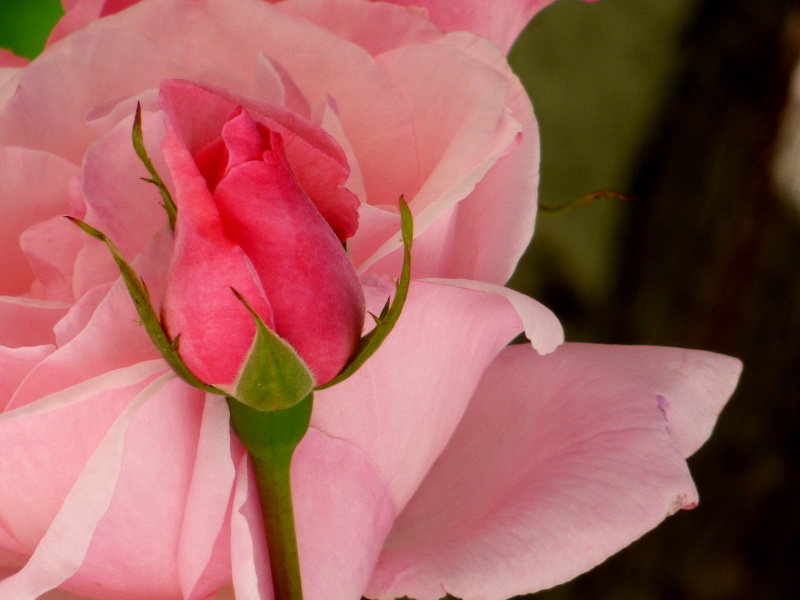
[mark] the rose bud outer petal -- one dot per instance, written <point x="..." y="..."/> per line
<point x="198" y="112"/>
<point x="216" y="330"/>
<point x="560" y="461"/>
<point x="312" y="287"/>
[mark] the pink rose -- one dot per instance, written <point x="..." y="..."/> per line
<point x="449" y="462"/>
<point x="497" y="20"/>
<point x="245" y="222"/>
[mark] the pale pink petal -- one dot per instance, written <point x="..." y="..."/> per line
<point x="10" y="66"/>
<point x="348" y="19"/>
<point x="251" y="581"/>
<point x="34" y="188"/>
<point x="112" y="185"/>
<point x="401" y="407"/>
<point x="541" y="326"/>
<point x="62" y="595"/>
<point x="80" y="13"/>
<point x="9" y="79"/>
<point x="499" y="20"/>
<point x="71" y="78"/>
<point x="80" y="314"/>
<point x="54" y="512"/>
<point x="560" y="461"/>
<point x="149" y="502"/>
<point x="113" y="336"/>
<point x="320" y="63"/>
<point x="27" y="322"/>
<point x="15" y="364"/>
<point x="204" y="560"/>
<point x="343" y="512"/>
<point x="272" y="83"/>
<point x="486" y="243"/>
<point x="330" y="122"/>
<point x="51" y="247"/>
<point x="456" y="144"/>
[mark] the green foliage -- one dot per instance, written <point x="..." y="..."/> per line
<point x="25" y="24"/>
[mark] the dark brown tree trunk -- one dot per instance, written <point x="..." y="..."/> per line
<point x="713" y="262"/>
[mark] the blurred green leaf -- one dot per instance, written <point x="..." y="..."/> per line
<point x="25" y="24"/>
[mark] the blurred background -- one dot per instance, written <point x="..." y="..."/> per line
<point x="689" y="108"/>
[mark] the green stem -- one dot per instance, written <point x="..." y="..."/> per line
<point x="270" y="438"/>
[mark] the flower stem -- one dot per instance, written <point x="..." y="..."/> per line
<point x="270" y="438"/>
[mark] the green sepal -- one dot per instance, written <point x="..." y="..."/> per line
<point x="141" y="299"/>
<point x="273" y="376"/>
<point x="587" y="199"/>
<point x="384" y="323"/>
<point x="155" y="179"/>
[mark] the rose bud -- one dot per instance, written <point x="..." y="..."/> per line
<point x="245" y="223"/>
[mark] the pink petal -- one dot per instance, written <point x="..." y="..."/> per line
<point x="99" y="337"/>
<point x="343" y="512"/>
<point x="53" y="506"/>
<point x="312" y="287"/>
<point x="541" y="326"/>
<point x="51" y="248"/>
<point x="476" y="224"/>
<point x="79" y="13"/>
<point x="80" y="77"/>
<point x="15" y="364"/>
<point x="9" y="79"/>
<point x="586" y="462"/>
<point x="204" y="561"/>
<point x="499" y="20"/>
<point x="457" y="148"/>
<point x="112" y="186"/>
<point x="198" y="114"/>
<point x="402" y="406"/>
<point x="149" y="500"/>
<point x="272" y="83"/>
<point x="34" y="189"/>
<point x="26" y="322"/>
<point x="248" y="546"/>
<point x="11" y="60"/>
<point x="350" y="20"/>
<point x="199" y="304"/>
<point x="320" y="63"/>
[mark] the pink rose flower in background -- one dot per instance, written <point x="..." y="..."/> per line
<point x="449" y="463"/>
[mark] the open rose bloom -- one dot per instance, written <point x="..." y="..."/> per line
<point x="451" y="462"/>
